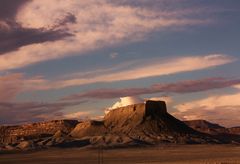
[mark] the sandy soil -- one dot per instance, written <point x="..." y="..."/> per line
<point x="169" y="154"/>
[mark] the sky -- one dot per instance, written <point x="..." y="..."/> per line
<point x="71" y="59"/>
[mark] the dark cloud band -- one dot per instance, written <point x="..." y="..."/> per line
<point x="9" y="8"/>
<point x="17" y="36"/>
<point x="178" y="87"/>
<point x="14" y="36"/>
<point x="18" y="113"/>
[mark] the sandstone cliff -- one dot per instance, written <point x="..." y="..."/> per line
<point x="206" y="127"/>
<point x="11" y="134"/>
<point x="225" y="135"/>
<point x="234" y="130"/>
<point x="138" y="124"/>
<point x="146" y="123"/>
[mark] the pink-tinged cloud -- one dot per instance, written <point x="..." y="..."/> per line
<point x="60" y="28"/>
<point x="13" y="84"/>
<point x="167" y="99"/>
<point x="187" y="86"/>
<point x="77" y="115"/>
<point x="135" y="70"/>
<point x="14" y="35"/>
<point x="237" y="86"/>
<point x="8" y="9"/>
<point x="25" y="112"/>
<point x="223" y="109"/>
<point x="10" y="86"/>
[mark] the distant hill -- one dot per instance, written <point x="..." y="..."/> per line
<point x="234" y="130"/>
<point x="139" y="124"/>
<point x="11" y="134"/>
<point x="206" y="127"/>
<point x="226" y="135"/>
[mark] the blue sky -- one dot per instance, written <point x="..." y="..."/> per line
<point x="72" y="59"/>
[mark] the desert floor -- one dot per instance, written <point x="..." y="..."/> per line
<point x="217" y="154"/>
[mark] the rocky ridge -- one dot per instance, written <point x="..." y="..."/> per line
<point x="225" y="135"/>
<point x="10" y="134"/>
<point x="139" y="124"/>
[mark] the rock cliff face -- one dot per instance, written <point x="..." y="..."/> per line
<point x="206" y="127"/>
<point x="89" y="128"/>
<point x="145" y="123"/>
<point x="149" y="119"/>
<point x="134" y="115"/>
<point x="11" y="134"/>
<point x="234" y="130"/>
<point x="225" y="135"/>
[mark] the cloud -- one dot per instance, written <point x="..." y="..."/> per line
<point x="76" y="115"/>
<point x="10" y="86"/>
<point x="237" y="86"/>
<point x="18" y="113"/>
<point x="129" y="100"/>
<point x="125" y="101"/>
<point x="9" y="9"/>
<point x="113" y="55"/>
<point x="92" y="24"/>
<point x="187" y="86"/>
<point x="14" y="35"/>
<point x="223" y="109"/>
<point x="13" y="84"/>
<point x="137" y="70"/>
<point x="68" y="18"/>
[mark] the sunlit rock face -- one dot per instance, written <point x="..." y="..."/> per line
<point x="142" y="123"/>
<point x="134" y="114"/>
<point x="146" y="121"/>
<point x="10" y="134"/>
<point x="89" y="128"/>
<point x="206" y="127"/>
<point x="234" y="130"/>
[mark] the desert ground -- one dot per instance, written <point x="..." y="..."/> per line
<point x="169" y="154"/>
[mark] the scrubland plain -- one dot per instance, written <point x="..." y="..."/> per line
<point x="169" y="154"/>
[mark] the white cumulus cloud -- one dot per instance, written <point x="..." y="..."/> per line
<point x="125" y="101"/>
